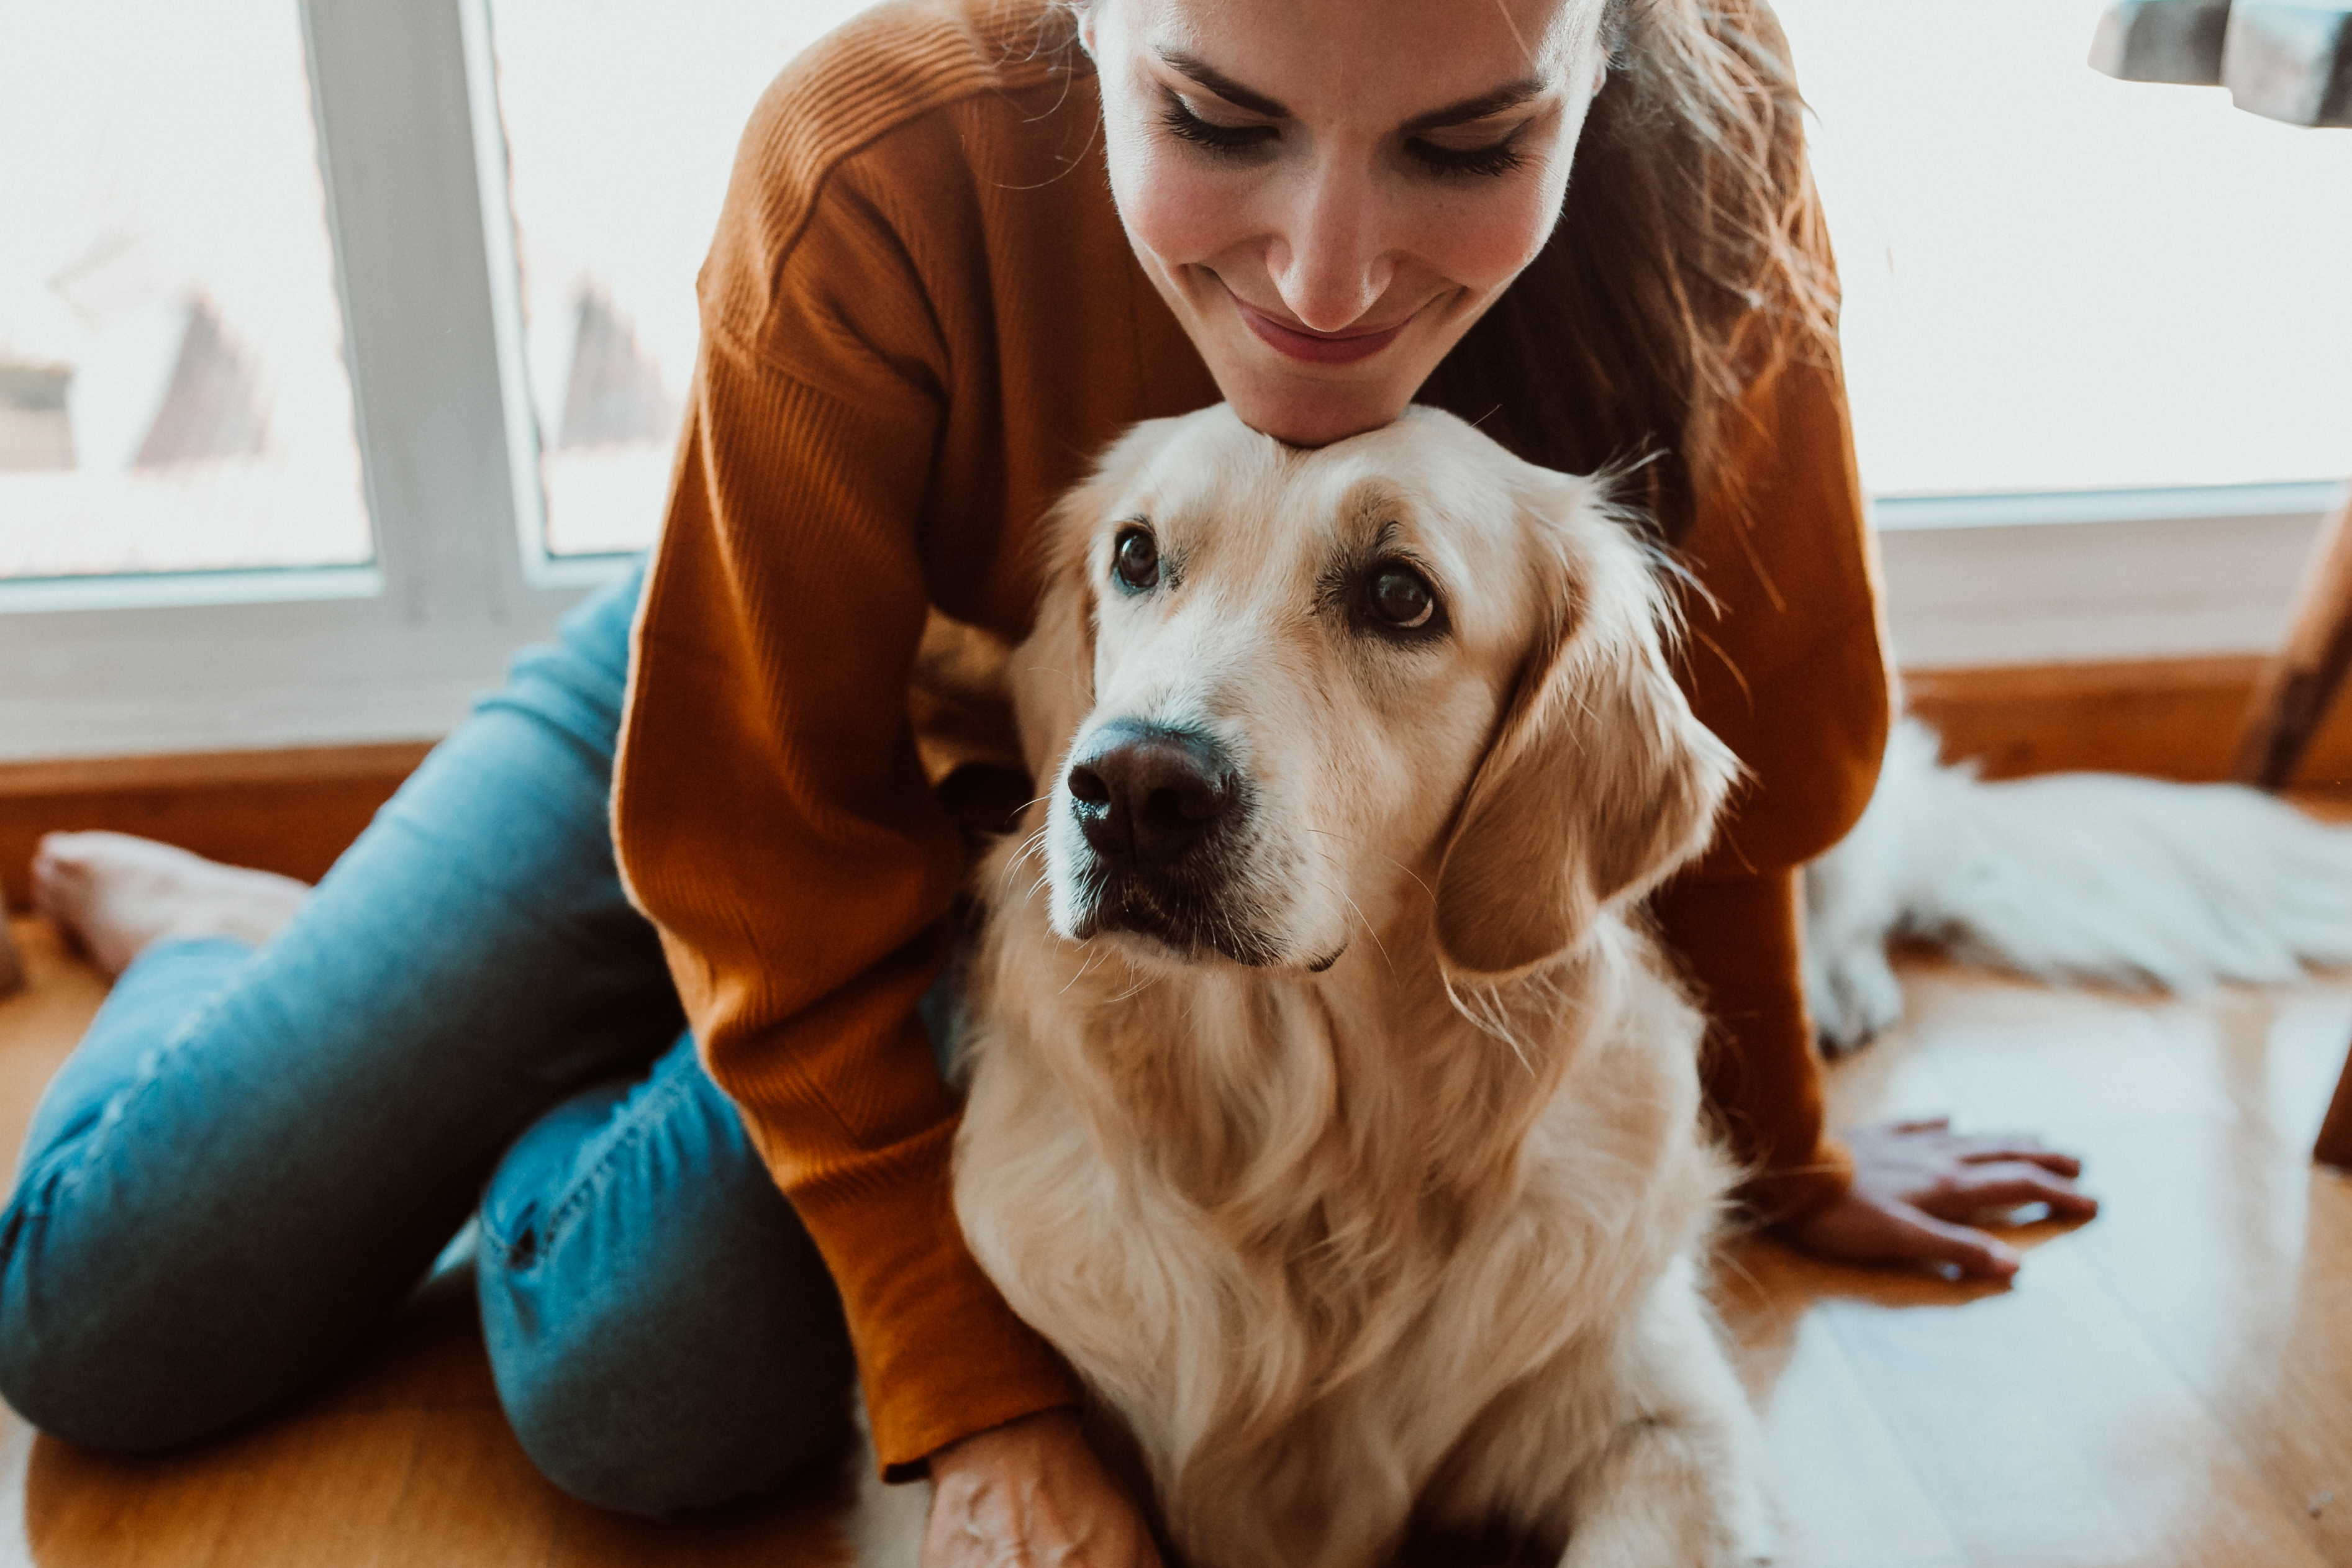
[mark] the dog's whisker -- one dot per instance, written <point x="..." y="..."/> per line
<point x="1094" y="951"/>
<point x="1031" y="847"/>
<point x="1347" y="839"/>
<point x="1143" y="983"/>
<point x="1365" y="921"/>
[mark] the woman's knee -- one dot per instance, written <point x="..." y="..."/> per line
<point x="86" y="1358"/>
<point x="605" y="1414"/>
<point x="662" y="1332"/>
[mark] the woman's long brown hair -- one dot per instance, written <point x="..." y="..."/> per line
<point x="1687" y="262"/>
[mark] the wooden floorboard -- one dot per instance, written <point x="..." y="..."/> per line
<point x="2170" y="1385"/>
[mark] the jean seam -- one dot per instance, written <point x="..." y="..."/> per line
<point x="89" y="1148"/>
<point x="598" y="1176"/>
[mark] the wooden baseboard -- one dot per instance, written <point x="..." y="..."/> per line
<point x="2168" y="719"/>
<point x="290" y="811"/>
<point x="293" y="811"/>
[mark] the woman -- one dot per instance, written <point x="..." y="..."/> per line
<point x="964" y="246"/>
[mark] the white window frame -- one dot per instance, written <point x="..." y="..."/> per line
<point x="414" y="171"/>
<point x="395" y="650"/>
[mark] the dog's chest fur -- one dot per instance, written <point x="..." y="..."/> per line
<point x="1302" y="1235"/>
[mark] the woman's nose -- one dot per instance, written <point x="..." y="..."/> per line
<point x="1329" y="258"/>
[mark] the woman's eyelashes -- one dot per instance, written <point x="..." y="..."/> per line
<point x="1178" y="120"/>
<point x="1495" y="158"/>
<point x="1238" y="142"/>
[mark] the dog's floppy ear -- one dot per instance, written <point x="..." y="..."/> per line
<point x="1052" y="673"/>
<point x="1052" y="670"/>
<point x="1599" y="780"/>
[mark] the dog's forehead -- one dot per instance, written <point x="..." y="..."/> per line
<point x="1427" y="481"/>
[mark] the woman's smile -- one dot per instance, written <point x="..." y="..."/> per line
<point x="1303" y="343"/>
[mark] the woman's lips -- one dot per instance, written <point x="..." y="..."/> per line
<point x="1316" y="348"/>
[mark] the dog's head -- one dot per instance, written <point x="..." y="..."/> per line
<point x="1286" y="698"/>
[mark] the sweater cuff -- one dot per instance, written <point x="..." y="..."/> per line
<point x="940" y="1353"/>
<point x="1783" y="1195"/>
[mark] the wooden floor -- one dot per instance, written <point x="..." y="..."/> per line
<point x="2170" y="1385"/>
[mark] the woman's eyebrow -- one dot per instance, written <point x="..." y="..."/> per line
<point x="1223" y="85"/>
<point x="1510" y="95"/>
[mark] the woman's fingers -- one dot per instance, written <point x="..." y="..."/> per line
<point x="1862" y="1229"/>
<point x="1978" y="1254"/>
<point x="1966" y="1250"/>
<point x="2007" y="1186"/>
<point x="1916" y="1183"/>
<point x="2017" y="1146"/>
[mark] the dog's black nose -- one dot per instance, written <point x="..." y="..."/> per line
<point x="1149" y="794"/>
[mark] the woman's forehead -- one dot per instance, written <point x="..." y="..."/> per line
<point x="1414" y="55"/>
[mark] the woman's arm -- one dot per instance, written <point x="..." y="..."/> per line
<point x="1786" y="663"/>
<point x="772" y="819"/>
<point x="770" y="810"/>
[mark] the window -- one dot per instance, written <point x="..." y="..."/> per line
<point x="619" y="120"/>
<point x="392" y="642"/>
<point x="2067" y="286"/>
<point x="392" y="393"/>
<point x="173" y="395"/>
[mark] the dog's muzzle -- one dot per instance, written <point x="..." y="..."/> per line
<point x="1161" y="809"/>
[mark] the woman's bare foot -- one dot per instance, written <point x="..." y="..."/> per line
<point x="119" y="895"/>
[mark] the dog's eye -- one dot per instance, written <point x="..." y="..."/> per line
<point x="1402" y="598"/>
<point x="1135" y="559"/>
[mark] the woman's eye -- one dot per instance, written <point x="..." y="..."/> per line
<point x="1402" y="598"/>
<point x="1176" y="117"/>
<point x="1498" y="158"/>
<point x="1135" y="560"/>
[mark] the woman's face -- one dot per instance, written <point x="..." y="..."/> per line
<point x="1329" y="192"/>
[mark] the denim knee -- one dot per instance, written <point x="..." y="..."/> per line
<point x="662" y="1333"/>
<point x="74" y="1356"/>
<point x="93" y="1353"/>
<point x="99" y="1341"/>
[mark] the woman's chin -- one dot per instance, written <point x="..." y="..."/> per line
<point x="1317" y="415"/>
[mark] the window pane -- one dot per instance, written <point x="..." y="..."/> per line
<point x="2059" y="281"/>
<point x="621" y="120"/>
<point x="173" y="394"/>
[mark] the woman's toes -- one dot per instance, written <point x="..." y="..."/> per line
<point x="119" y="895"/>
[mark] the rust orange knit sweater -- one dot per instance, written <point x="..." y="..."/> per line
<point x="920" y="319"/>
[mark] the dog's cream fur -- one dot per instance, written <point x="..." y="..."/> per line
<point x="2067" y="878"/>
<point x="1398" y="1216"/>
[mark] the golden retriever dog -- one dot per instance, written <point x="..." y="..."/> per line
<point x="1328" y="1107"/>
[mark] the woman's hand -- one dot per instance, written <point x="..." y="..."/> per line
<point x="1031" y="1494"/>
<point x="1915" y="1183"/>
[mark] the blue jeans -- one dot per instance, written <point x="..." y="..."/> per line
<point x="256" y="1156"/>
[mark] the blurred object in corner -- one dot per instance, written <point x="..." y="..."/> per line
<point x="2162" y="40"/>
<point x="2289" y="60"/>
<point x="2056" y="284"/>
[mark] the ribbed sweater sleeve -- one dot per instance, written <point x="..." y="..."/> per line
<point x="771" y="813"/>
<point x="1786" y="660"/>
<point x="774" y="819"/>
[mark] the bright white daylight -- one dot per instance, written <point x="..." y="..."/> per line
<point x="2054" y="281"/>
